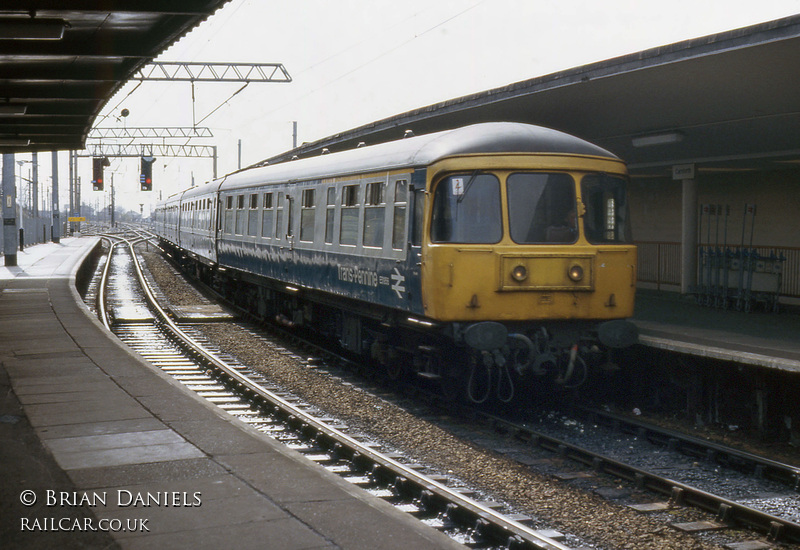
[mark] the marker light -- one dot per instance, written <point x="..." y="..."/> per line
<point x="576" y="273"/>
<point x="519" y="273"/>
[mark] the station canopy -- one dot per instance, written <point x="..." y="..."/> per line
<point x="62" y="60"/>
<point x="728" y="101"/>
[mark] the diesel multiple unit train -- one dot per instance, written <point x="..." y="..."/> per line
<point x="485" y="258"/>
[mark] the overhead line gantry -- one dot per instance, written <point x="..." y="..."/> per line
<point x="151" y="132"/>
<point x="213" y="72"/>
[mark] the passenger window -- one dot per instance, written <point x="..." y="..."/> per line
<point x="374" y="215"/>
<point x="267" y="216"/>
<point x="330" y="212"/>
<point x="229" y="214"/>
<point x="350" y="195"/>
<point x="307" y="215"/>
<point x="240" y="215"/>
<point x="348" y="232"/>
<point x="399" y="220"/>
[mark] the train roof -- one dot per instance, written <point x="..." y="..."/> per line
<point x="487" y="137"/>
<point x="490" y="137"/>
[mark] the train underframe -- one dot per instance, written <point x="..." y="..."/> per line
<point x="484" y="362"/>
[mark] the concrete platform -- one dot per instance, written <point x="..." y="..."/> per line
<point x="101" y="450"/>
<point x="667" y="320"/>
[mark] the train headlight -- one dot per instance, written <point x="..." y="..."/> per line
<point x="576" y="273"/>
<point x="519" y="273"/>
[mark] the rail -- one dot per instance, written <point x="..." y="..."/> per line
<point x="727" y="511"/>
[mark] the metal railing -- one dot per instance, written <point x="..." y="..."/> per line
<point x="660" y="264"/>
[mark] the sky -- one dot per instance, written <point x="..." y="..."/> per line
<point x="356" y="61"/>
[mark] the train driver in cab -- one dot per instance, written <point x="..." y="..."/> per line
<point x="565" y="231"/>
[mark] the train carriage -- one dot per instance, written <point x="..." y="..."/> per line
<point x="166" y="220"/>
<point x="476" y="256"/>
<point x="197" y="216"/>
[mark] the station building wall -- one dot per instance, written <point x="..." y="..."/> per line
<point x="655" y="205"/>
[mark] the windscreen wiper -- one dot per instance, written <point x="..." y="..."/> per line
<point x="468" y="185"/>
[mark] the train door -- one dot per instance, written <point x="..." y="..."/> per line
<point x="179" y="225"/>
<point x="290" y="217"/>
<point x="394" y="217"/>
<point x="214" y="225"/>
<point x="416" y="214"/>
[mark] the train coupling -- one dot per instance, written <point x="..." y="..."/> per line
<point x="495" y="344"/>
<point x="536" y="354"/>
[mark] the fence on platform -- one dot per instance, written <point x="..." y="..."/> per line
<point x="660" y="264"/>
<point x="35" y="230"/>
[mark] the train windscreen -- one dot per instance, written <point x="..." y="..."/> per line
<point x="466" y="209"/>
<point x="541" y="208"/>
<point x="606" y="219"/>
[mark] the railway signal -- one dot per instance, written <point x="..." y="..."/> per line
<point x="146" y="174"/>
<point x="98" y="163"/>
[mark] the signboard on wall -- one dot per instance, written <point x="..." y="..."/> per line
<point x="683" y="172"/>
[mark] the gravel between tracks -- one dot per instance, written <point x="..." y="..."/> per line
<point x="603" y="524"/>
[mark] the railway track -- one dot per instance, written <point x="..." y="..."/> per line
<point x="133" y="313"/>
<point x="759" y="466"/>
<point x="727" y="513"/>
